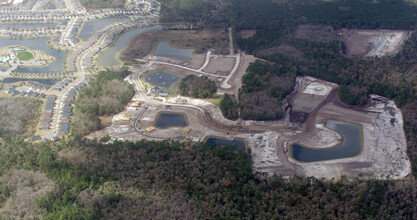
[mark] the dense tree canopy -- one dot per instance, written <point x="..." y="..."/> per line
<point x="107" y="94"/>
<point x="198" y="87"/>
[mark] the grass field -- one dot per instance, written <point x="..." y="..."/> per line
<point x="215" y="100"/>
<point x="25" y="55"/>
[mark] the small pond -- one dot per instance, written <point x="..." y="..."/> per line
<point x="48" y="82"/>
<point x="164" y="50"/>
<point x="52" y="6"/>
<point x="3" y="68"/>
<point x="350" y="147"/>
<point x="108" y="57"/>
<point x="167" y="120"/>
<point x="38" y="44"/>
<point x="92" y="27"/>
<point x="240" y="144"/>
<point x="162" y="79"/>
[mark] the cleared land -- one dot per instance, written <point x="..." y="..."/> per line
<point x="200" y="40"/>
<point x="220" y="65"/>
<point x="373" y="42"/>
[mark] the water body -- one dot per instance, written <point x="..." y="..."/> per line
<point x="108" y="57"/>
<point x="3" y="68"/>
<point x="92" y="27"/>
<point x="48" y="82"/>
<point x="38" y="44"/>
<point x="28" y="25"/>
<point x="350" y="147"/>
<point x="240" y="144"/>
<point x="167" y="120"/>
<point x="164" y="50"/>
<point x="162" y="79"/>
<point x="52" y="6"/>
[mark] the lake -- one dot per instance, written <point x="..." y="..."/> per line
<point x="240" y="144"/>
<point x="167" y="120"/>
<point x="162" y="79"/>
<point x="351" y="146"/>
<point x="38" y="44"/>
<point x="92" y="27"/>
<point x="164" y="50"/>
<point x="52" y="6"/>
<point x="108" y="57"/>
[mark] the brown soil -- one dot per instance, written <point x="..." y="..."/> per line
<point x="106" y="120"/>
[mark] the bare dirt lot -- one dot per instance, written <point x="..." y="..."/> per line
<point x="220" y="65"/>
<point x="373" y="42"/>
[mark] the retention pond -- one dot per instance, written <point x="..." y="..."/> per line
<point x="164" y="50"/>
<point x="162" y="79"/>
<point x="168" y="120"/>
<point x="239" y="144"/>
<point x="108" y="57"/>
<point x="92" y="27"/>
<point x="350" y="147"/>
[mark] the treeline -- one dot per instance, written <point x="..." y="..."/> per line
<point x="213" y="13"/>
<point x="264" y="87"/>
<point x="198" y="87"/>
<point x="229" y="107"/>
<point x="107" y="94"/>
<point x="166" y="180"/>
<point x="263" y="14"/>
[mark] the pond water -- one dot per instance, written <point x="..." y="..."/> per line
<point x="167" y="120"/>
<point x="38" y="44"/>
<point x="162" y="79"/>
<point x="52" y="6"/>
<point x="92" y="27"/>
<point x="220" y="141"/>
<point x="48" y="82"/>
<point x="350" y="147"/>
<point x="164" y="50"/>
<point x="3" y="68"/>
<point x="108" y="57"/>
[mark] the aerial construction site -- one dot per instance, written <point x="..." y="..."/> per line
<point x="318" y="136"/>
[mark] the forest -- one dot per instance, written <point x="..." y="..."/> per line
<point x="197" y="87"/>
<point x="106" y="95"/>
<point x="262" y="14"/>
<point x="166" y="179"/>
<point x="19" y="116"/>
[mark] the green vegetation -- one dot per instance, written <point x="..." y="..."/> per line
<point x="229" y="107"/>
<point x="18" y="116"/>
<point x="124" y="180"/>
<point x="262" y="14"/>
<point x="25" y="55"/>
<point x="198" y="87"/>
<point x="263" y="90"/>
<point x="107" y="94"/>
<point x="99" y="4"/>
